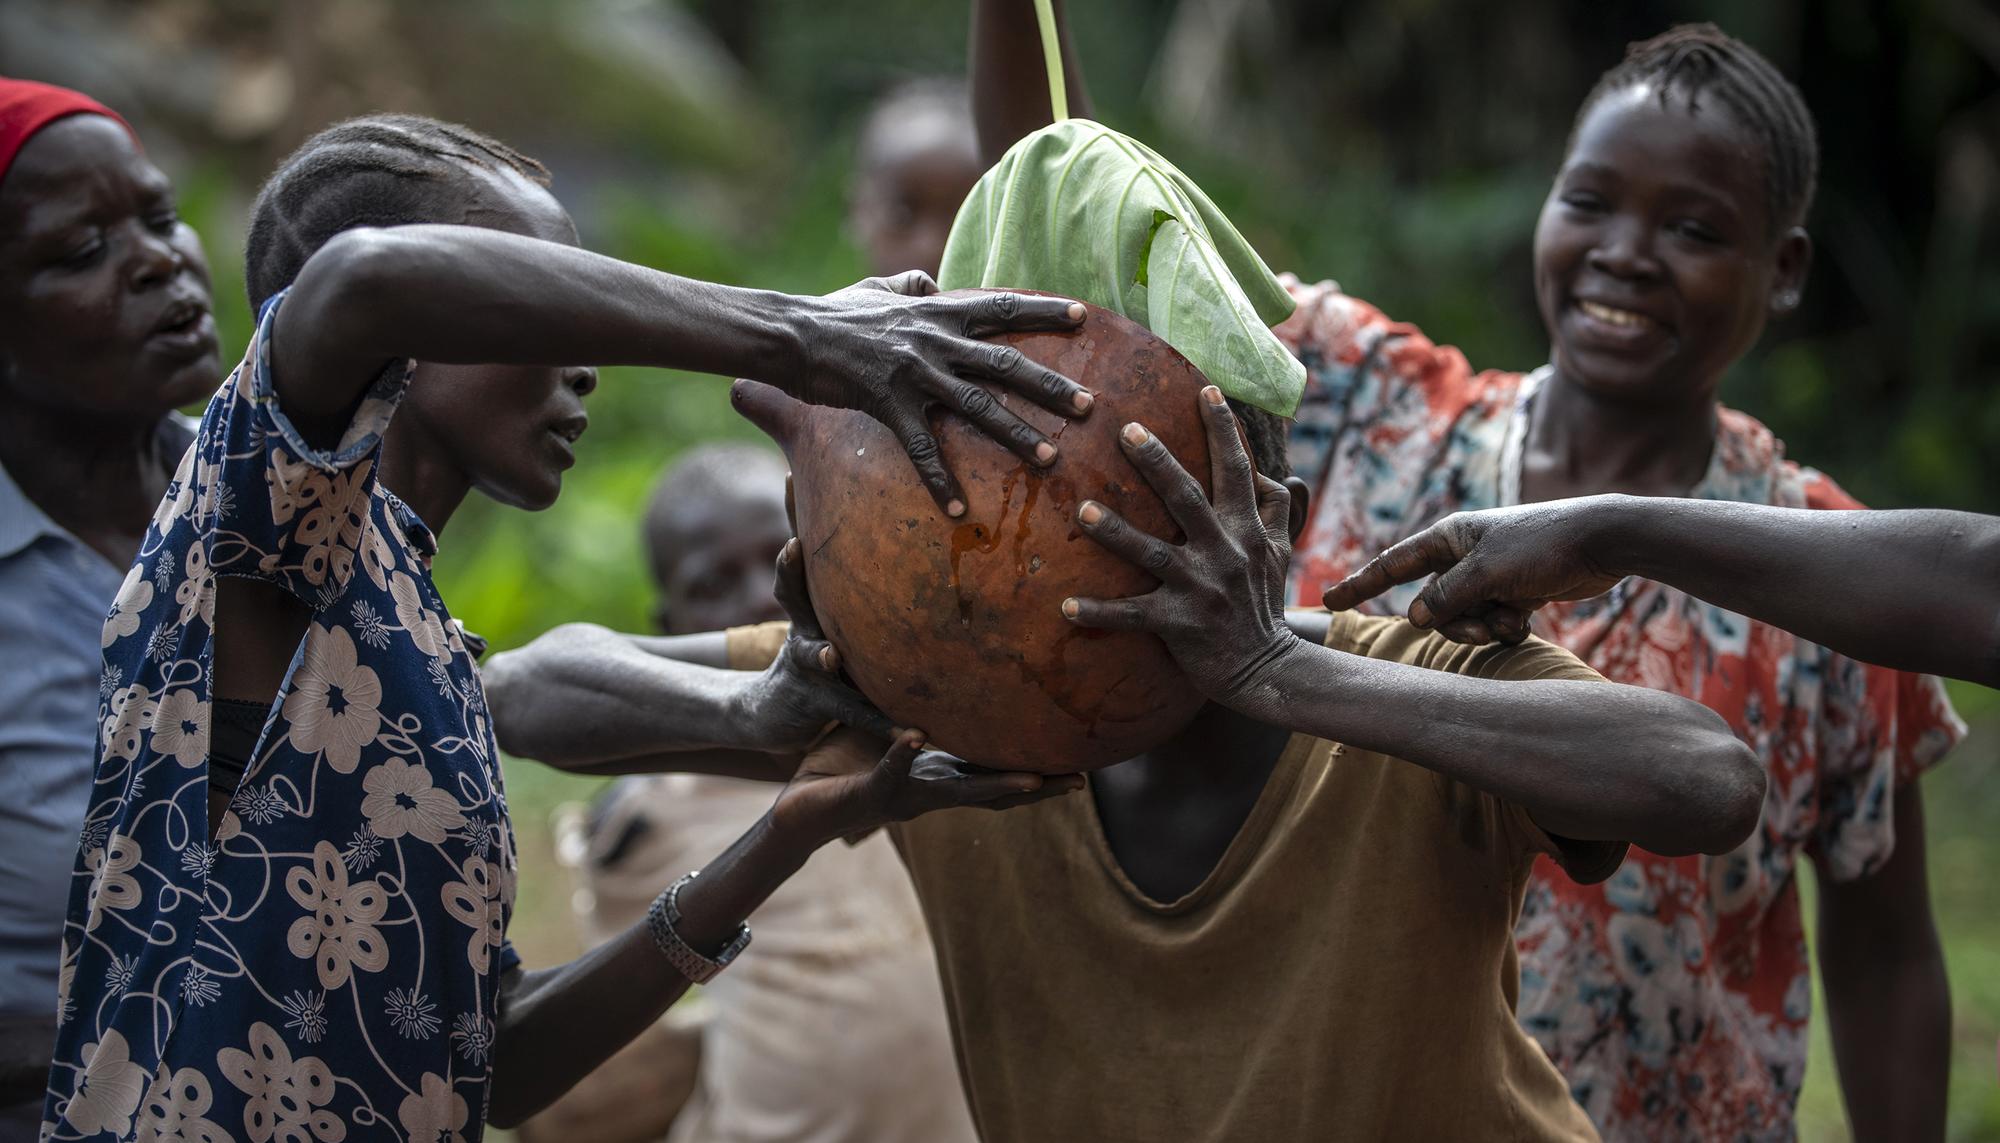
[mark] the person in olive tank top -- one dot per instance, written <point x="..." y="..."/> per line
<point x="1294" y="919"/>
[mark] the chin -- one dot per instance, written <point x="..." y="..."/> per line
<point x="193" y="385"/>
<point x="1619" y="379"/>
<point x="529" y="496"/>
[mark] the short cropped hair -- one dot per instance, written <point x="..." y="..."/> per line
<point x="378" y="170"/>
<point x="1693" y="60"/>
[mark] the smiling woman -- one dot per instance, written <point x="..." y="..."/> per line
<point x="1672" y="233"/>
<point x="104" y="331"/>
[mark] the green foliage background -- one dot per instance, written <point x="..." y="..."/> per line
<point x="1400" y="146"/>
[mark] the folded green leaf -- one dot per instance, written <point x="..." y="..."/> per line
<point x="1080" y="210"/>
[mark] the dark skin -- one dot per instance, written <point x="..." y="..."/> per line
<point x="1580" y="757"/>
<point x="498" y="313"/>
<point x="1659" y="215"/>
<point x="492" y="311"/>
<point x="559" y="1024"/>
<point x="1911" y="590"/>
<point x="1572" y="754"/>
<point x="104" y="331"/>
<point x="1656" y="266"/>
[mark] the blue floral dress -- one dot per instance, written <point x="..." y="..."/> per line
<point x="327" y="968"/>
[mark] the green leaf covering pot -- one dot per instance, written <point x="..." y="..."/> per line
<point x="1080" y="210"/>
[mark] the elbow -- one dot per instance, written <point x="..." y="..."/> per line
<point x="1712" y="797"/>
<point x="503" y="676"/>
<point x="348" y="285"/>
<point x="510" y="1107"/>
<point x="529" y="693"/>
<point x="1737" y="797"/>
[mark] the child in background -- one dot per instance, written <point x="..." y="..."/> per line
<point x="788" y="1044"/>
<point x="917" y="160"/>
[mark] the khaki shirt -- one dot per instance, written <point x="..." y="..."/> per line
<point x="1347" y="971"/>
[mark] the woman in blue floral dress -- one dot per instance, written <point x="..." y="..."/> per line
<point x="317" y="950"/>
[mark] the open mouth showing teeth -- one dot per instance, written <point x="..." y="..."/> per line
<point x="1610" y="315"/>
<point x="181" y="319"/>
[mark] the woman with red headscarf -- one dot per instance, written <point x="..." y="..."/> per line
<point x="104" y="331"/>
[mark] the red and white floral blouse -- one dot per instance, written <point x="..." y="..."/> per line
<point x="1674" y="996"/>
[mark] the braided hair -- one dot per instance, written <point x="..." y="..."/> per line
<point x="1696" y="60"/>
<point x="378" y="170"/>
<point x="1266" y="433"/>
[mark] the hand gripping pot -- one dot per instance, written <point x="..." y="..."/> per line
<point x="954" y="626"/>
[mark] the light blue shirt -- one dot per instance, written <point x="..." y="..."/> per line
<point x="54" y="592"/>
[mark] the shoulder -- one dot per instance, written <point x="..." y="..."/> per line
<point x="1746" y="448"/>
<point x="1399" y="641"/>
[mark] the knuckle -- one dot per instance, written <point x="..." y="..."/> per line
<point x="1156" y="558"/>
<point x="922" y="447"/>
<point x="1005" y="360"/>
<point x="976" y="402"/>
<point x="1003" y="307"/>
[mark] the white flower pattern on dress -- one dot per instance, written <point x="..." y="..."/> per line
<point x="338" y="931"/>
<point x="285" y="1095"/>
<point x="401" y="800"/>
<point x="134" y="596"/>
<point x="109" y="1090"/>
<point x="435" y="1112"/>
<point x="174" y="1108"/>
<point x="180" y="728"/>
<point x="333" y="704"/>
<point x="241" y="988"/>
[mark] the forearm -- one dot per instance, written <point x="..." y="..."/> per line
<point x="580" y="697"/>
<point x="469" y="295"/>
<point x="1917" y="590"/>
<point x="1010" y="87"/>
<point x="1888" y="1003"/>
<point x="557" y="1025"/>
<point x="756" y="765"/>
<point x="1587" y="760"/>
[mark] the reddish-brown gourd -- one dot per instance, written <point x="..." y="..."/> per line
<point x="954" y="626"/>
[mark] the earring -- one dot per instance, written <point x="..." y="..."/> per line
<point x="1788" y="300"/>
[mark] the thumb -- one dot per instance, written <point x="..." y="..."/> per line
<point x="1448" y="595"/>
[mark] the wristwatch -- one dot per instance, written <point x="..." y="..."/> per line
<point x="663" y="922"/>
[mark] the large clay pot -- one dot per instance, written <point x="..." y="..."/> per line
<point x="954" y="626"/>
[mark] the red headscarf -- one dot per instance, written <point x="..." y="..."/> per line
<point x="26" y="107"/>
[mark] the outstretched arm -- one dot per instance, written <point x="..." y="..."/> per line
<point x="1587" y="760"/>
<point x="588" y="700"/>
<point x="1916" y="590"/>
<point x="557" y="1025"/>
<point x="1010" y="84"/>
<point x="467" y="295"/>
